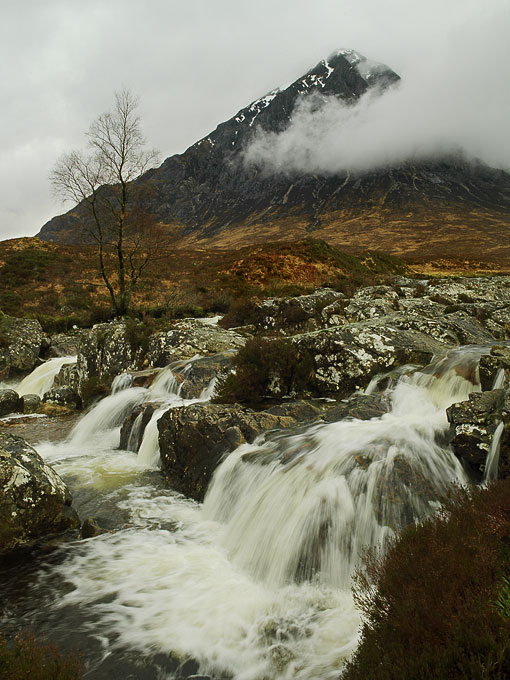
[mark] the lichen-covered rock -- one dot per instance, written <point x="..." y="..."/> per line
<point x="472" y="427"/>
<point x="63" y="396"/>
<point x="68" y="376"/>
<point x="64" y="344"/>
<point x="106" y="350"/>
<point x="34" y="501"/>
<point x="371" y="302"/>
<point x="287" y="315"/>
<point x="346" y="357"/>
<point x="193" y="439"/>
<point x="188" y="338"/>
<point x="20" y="345"/>
<point x="10" y="402"/>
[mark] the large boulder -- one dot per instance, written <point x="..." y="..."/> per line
<point x="20" y="345"/>
<point x="346" y="357"/>
<point x="194" y="439"/>
<point x="188" y="338"/>
<point x="34" y="501"/>
<point x="63" y="396"/>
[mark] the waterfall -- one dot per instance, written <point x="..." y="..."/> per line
<point x="41" y="379"/>
<point x="499" y="380"/>
<point x="491" y="464"/>
<point x="303" y="507"/>
<point x="123" y="381"/>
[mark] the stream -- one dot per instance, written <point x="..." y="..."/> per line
<point x="253" y="584"/>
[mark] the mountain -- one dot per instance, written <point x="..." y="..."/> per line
<point x="209" y="196"/>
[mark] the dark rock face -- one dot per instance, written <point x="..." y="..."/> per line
<point x="194" y="439"/>
<point x="34" y="501"/>
<point x="20" y="345"/>
<point x="10" y="402"/>
<point x="31" y="403"/>
<point x="130" y="439"/>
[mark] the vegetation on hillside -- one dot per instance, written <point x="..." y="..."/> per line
<point x="60" y="285"/>
<point x="438" y="604"/>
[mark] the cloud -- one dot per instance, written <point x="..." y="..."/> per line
<point x="453" y="96"/>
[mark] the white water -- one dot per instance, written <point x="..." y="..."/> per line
<point x="254" y="583"/>
<point x="491" y="465"/>
<point x="41" y="379"/>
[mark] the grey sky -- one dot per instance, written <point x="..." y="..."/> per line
<point x="195" y="64"/>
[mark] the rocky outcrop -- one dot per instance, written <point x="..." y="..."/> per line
<point x="34" y="502"/>
<point x="20" y="345"/>
<point x="188" y="338"/>
<point x="133" y="428"/>
<point x="289" y="315"/>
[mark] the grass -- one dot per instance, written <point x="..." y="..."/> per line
<point x="60" y="285"/>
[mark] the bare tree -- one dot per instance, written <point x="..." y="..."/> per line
<point x="102" y="183"/>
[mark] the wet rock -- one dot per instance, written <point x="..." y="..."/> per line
<point x="491" y="366"/>
<point x="473" y="424"/>
<point x="144" y="378"/>
<point x="31" y="403"/>
<point x="200" y="373"/>
<point x="133" y="428"/>
<point x="91" y="528"/>
<point x="360" y="407"/>
<point x="194" y="439"/>
<point x="188" y="338"/>
<point x="10" y="402"/>
<point x="34" y="501"/>
<point x="20" y="345"/>
<point x="63" y="396"/>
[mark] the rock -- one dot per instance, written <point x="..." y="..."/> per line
<point x="64" y="344"/>
<point x="10" y="402"/>
<point x="472" y="427"/>
<point x="104" y="351"/>
<point x="198" y="376"/>
<point x="371" y="302"/>
<point x="20" y="345"/>
<point x="194" y="439"/>
<point x="323" y="307"/>
<point x="358" y="406"/>
<point x="63" y="396"/>
<point x="68" y="376"/>
<point x="346" y="357"/>
<point x="31" y="403"/>
<point x="34" y="501"/>
<point x="188" y="338"/>
<point x="133" y="428"/>
<point x="91" y="528"/>
<point x="491" y="365"/>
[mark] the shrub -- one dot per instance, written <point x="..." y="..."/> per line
<point x="436" y="605"/>
<point x="139" y="332"/>
<point x="26" y="658"/>
<point x="242" y="312"/>
<point x="265" y="368"/>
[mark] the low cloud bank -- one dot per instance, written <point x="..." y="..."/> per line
<point x="451" y="98"/>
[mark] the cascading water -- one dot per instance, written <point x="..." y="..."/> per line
<point x="41" y="379"/>
<point x="254" y="584"/>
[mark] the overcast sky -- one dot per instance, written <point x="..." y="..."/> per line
<point x="195" y="63"/>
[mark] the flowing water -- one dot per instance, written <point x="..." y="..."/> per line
<point x="253" y="584"/>
<point x="41" y="379"/>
